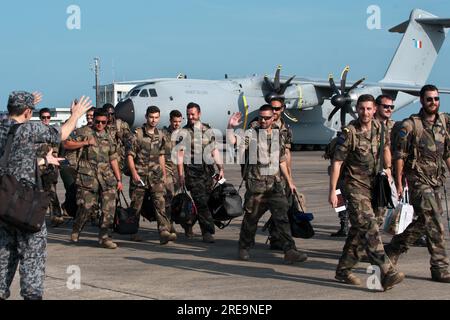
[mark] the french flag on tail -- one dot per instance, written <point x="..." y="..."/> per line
<point x="418" y="44"/>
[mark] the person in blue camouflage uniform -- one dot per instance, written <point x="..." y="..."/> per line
<point x="421" y="157"/>
<point x="360" y="148"/>
<point x="28" y="249"/>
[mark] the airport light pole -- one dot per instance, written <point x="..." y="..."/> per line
<point x="97" y="81"/>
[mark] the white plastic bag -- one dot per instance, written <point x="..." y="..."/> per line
<point x="398" y="219"/>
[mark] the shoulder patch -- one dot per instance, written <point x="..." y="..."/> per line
<point x="403" y="133"/>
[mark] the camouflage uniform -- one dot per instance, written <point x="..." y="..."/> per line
<point x="425" y="174"/>
<point x="120" y="133"/>
<point x="199" y="177"/>
<point x="380" y="213"/>
<point x="286" y="136"/>
<point x="15" y="245"/>
<point x="172" y="182"/>
<point x="360" y="152"/>
<point x="96" y="180"/>
<point x="265" y="191"/>
<point x="50" y="180"/>
<point x="146" y="151"/>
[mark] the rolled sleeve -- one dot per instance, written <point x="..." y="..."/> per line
<point x="401" y="144"/>
<point x="343" y="145"/>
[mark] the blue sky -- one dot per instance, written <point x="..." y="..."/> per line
<point x="139" y="39"/>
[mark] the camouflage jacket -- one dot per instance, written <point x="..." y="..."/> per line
<point x="264" y="153"/>
<point x="95" y="161"/>
<point x="198" y="146"/>
<point x="29" y="139"/>
<point x="360" y="152"/>
<point x="146" y="148"/>
<point x="120" y="133"/>
<point x="169" y="147"/>
<point x="424" y="152"/>
<point x="285" y="132"/>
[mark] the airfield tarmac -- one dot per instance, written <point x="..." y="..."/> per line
<point x="192" y="270"/>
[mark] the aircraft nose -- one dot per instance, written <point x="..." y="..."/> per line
<point x="125" y="111"/>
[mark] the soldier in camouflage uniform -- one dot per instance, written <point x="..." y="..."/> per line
<point x="197" y="147"/>
<point x="265" y="158"/>
<point x="120" y="133"/>
<point x="146" y="160"/>
<point x="384" y="109"/>
<point x="359" y="148"/>
<point x="16" y="246"/>
<point x="172" y="183"/>
<point x="422" y="147"/>
<point x="98" y="178"/>
<point x="50" y="174"/>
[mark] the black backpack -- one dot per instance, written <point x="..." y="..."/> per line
<point x="184" y="210"/>
<point x="126" y="220"/>
<point x="225" y="204"/>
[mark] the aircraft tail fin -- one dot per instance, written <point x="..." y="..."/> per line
<point x="423" y="37"/>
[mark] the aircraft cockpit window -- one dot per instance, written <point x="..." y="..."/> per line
<point x="153" y="93"/>
<point x="134" y="93"/>
<point x="144" y="93"/>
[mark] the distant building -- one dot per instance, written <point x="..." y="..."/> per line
<point x="59" y="116"/>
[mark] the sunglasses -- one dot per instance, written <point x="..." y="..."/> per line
<point x="101" y="122"/>
<point x="265" y="118"/>
<point x="111" y="114"/>
<point x="388" y="106"/>
<point x="430" y="99"/>
<point x="277" y="109"/>
<point x="46" y="118"/>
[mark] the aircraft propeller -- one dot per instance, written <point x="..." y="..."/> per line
<point x="341" y="99"/>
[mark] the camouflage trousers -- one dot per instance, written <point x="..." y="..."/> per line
<point x="255" y="206"/>
<point x="427" y="203"/>
<point x="156" y="192"/>
<point x="49" y="182"/>
<point x="274" y="235"/>
<point x="200" y="189"/>
<point x="172" y="189"/>
<point x="28" y="249"/>
<point x="88" y="202"/>
<point x="363" y="234"/>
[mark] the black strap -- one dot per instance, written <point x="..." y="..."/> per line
<point x="381" y="166"/>
<point x="124" y="199"/>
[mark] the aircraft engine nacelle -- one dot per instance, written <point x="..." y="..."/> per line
<point x="356" y="93"/>
<point x="302" y="96"/>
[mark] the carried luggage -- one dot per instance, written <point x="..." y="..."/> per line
<point x="22" y="206"/>
<point x="148" y="209"/>
<point x="399" y="218"/>
<point x="184" y="210"/>
<point x="300" y="220"/>
<point x="225" y="204"/>
<point x="125" y="221"/>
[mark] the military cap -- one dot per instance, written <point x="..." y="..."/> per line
<point x="21" y="99"/>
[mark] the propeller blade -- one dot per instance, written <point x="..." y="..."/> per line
<point x="277" y="79"/>
<point x="290" y="117"/>
<point x="285" y="85"/>
<point x="268" y="83"/>
<point x="333" y="85"/>
<point x="344" y="78"/>
<point x="357" y="83"/>
<point x="335" y="110"/>
<point x="352" y="113"/>
<point x="343" y="114"/>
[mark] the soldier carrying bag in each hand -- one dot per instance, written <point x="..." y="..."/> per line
<point x="23" y="207"/>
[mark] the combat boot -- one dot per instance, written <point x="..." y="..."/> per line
<point x="391" y="279"/>
<point x="208" y="238"/>
<point x="348" y="278"/>
<point x="343" y="231"/>
<point x="244" y="254"/>
<point x="57" y="221"/>
<point x="135" y="238"/>
<point x="107" y="244"/>
<point x="440" y="276"/>
<point x="391" y="254"/>
<point x="188" y="232"/>
<point x="293" y="256"/>
<point x="75" y="237"/>
<point x="173" y="236"/>
<point x="164" y="237"/>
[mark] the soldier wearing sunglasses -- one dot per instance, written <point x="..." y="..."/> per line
<point x="421" y="152"/>
<point x="98" y="178"/>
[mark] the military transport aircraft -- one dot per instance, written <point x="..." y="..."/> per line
<point x="316" y="109"/>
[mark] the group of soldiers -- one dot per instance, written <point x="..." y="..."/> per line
<point x="419" y="149"/>
<point x="164" y="162"/>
